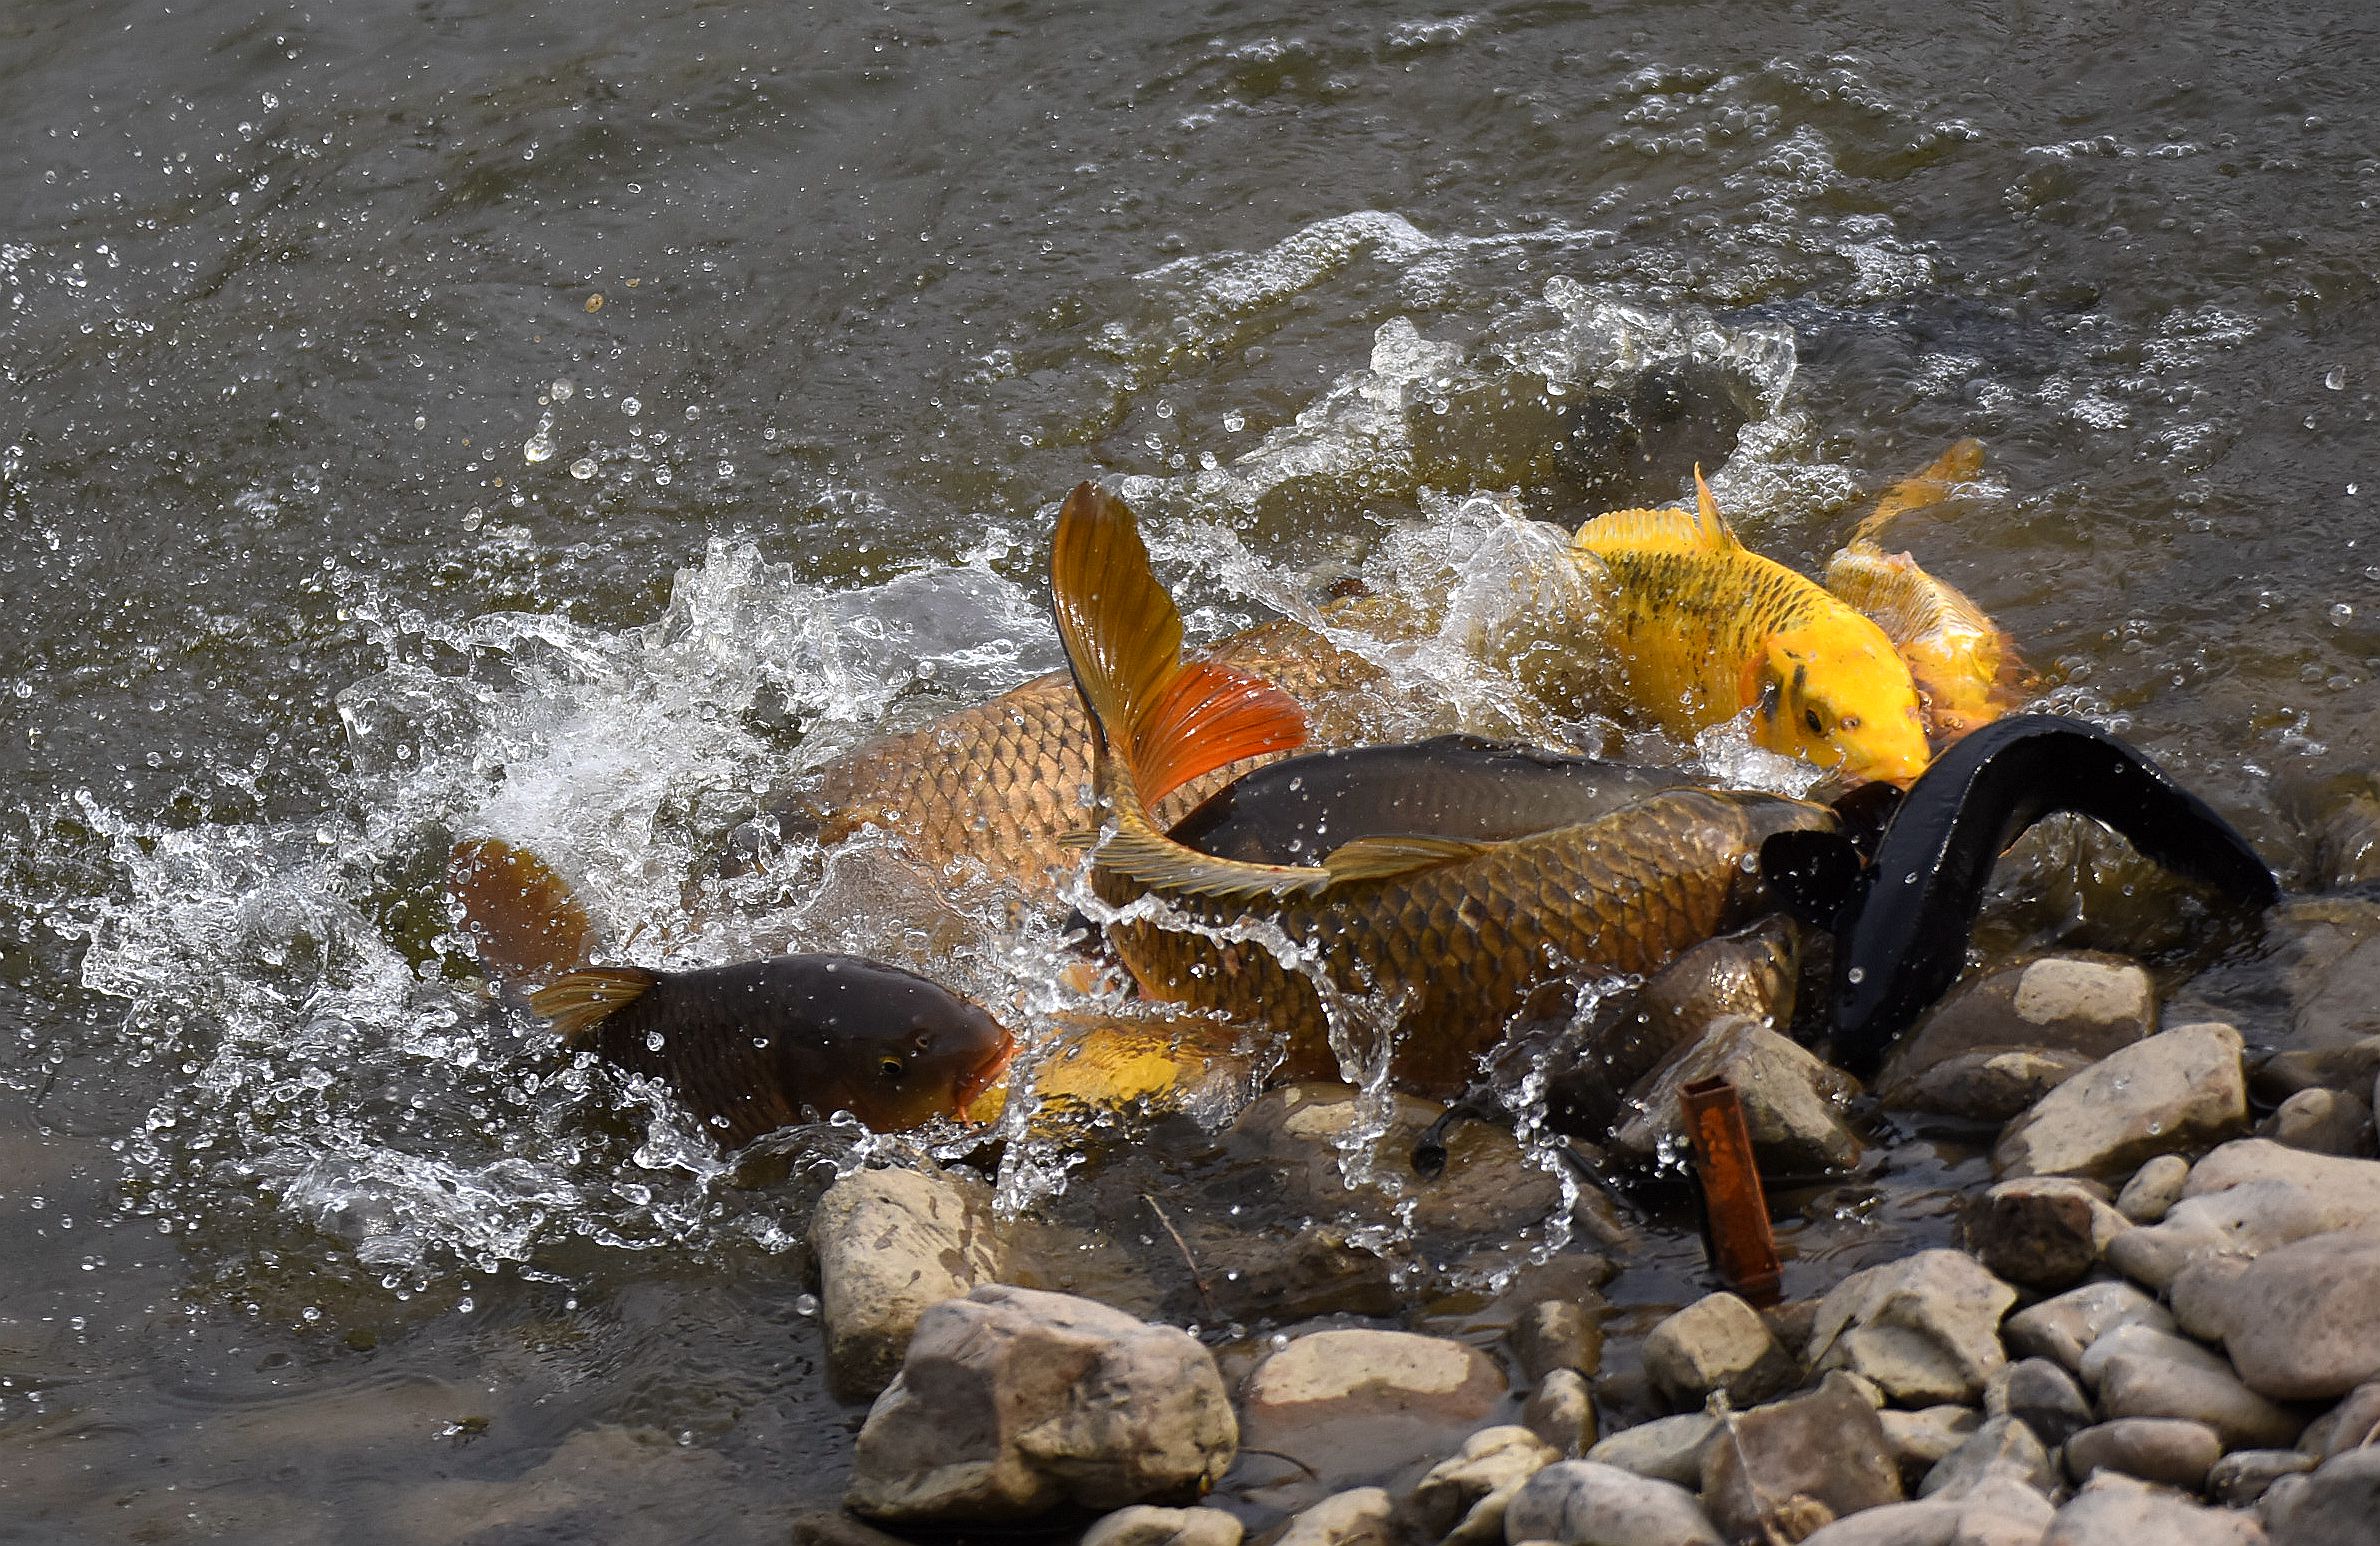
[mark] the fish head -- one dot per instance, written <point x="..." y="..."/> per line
<point x="894" y="1049"/>
<point x="1834" y="693"/>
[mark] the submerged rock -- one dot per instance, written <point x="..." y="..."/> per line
<point x="1357" y="1406"/>
<point x="892" y="1244"/>
<point x="2001" y="1042"/>
<point x="2181" y="1089"/>
<point x="1013" y="1402"/>
<point x="1925" y="1329"/>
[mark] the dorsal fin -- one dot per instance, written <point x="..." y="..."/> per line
<point x="582" y="1000"/>
<point x="1669" y="530"/>
<point x="1714" y="525"/>
<point x="1389" y="856"/>
<point x="519" y="915"/>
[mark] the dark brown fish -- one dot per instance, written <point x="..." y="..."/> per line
<point x="766" y="1044"/>
<point x="1454" y="939"/>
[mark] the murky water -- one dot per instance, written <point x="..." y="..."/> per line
<point x="574" y="422"/>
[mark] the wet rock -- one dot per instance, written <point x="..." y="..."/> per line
<point x="2180" y="1089"/>
<point x="1013" y="1402"/>
<point x="2333" y="1505"/>
<point x="1490" y="1186"/>
<point x="2042" y="1396"/>
<point x="2140" y="1372"/>
<point x="1718" y="1343"/>
<point x="1793" y="1103"/>
<point x="1357" y="1406"/>
<point x="2170" y="1450"/>
<point x="1793" y="1465"/>
<point x="892" y="1244"/>
<point x="2244" y="1475"/>
<point x="2353" y="1423"/>
<point x="2321" y="1122"/>
<point x="2302" y="1321"/>
<point x="2114" y="1510"/>
<point x="1361" y="1516"/>
<point x="2008" y="1038"/>
<point x="1926" y="1329"/>
<point x="1557" y="1334"/>
<point x="1561" y="1411"/>
<point x="2045" y="1232"/>
<point x="1462" y="1499"/>
<point x="1143" y="1525"/>
<point x="2249" y="1160"/>
<point x="1997" y="1513"/>
<point x="2330" y="969"/>
<point x="1919" y="1440"/>
<point x="2001" y="1449"/>
<point x="1581" y="1503"/>
<point x="2062" y="1328"/>
<point x="2155" y="1187"/>
<point x="1667" y="1449"/>
<point x="2245" y="1198"/>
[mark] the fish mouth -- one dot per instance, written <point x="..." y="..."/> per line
<point x="984" y="1075"/>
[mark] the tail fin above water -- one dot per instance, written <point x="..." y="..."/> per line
<point x="1929" y="487"/>
<point x="518" y="914"/>
<point x="582" y="1000"/>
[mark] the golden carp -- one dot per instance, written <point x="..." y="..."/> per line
<point x="1966" y="669"/>
<point x="1704" y="629"/>
<point x="1455" y="938"/>
<point x="1001" y="786"/>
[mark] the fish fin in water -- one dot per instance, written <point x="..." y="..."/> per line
<point x="517" y="912"/>
<point x="1394" y="855"/>
<point x="1957" y="465"/>
<point x="580" y="1001"/>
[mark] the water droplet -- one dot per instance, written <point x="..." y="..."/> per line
<point x="472" y="517"/>
<point x="2337" y="379"/>
<point x="631" y="407"/>
<point x="663" y="476"/>
<point x="583" y="468"/>
<point x="1855" y="976"/>
<point x="537" y="447"/>
<point x="805" y="1304"/>
<point x="1235" y="422"/>
<point x="595" y="301"/>
<point x="562" y="390"/>
<point x="654" y="1041"/>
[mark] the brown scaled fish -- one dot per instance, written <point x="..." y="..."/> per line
<point x="1003" y="785"/>
<point x="1967" y="671"/>
<point x="1460" y="937"/>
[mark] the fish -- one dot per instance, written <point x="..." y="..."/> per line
<point x="1967" y="670"/>
<point x="1901" y="919"/>
<point x="1003" y="788"/>
<point x="766" y="1044"/>
<point x="748" y="1047"/>
<point x="1296" y="810"/>
<point x="1456" y="938"/>
<point x="1705" y="629"/>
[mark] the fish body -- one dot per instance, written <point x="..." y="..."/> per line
<point x="1705" y="629"/>
<point x="1002" y="786"/>
<point x="1456" y="938"/>
<point x="1296" y="810"/>
<point x="1966" y="668"/>
<point x="766" y="1044"/>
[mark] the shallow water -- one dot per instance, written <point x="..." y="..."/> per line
<point x="344" y="520"/>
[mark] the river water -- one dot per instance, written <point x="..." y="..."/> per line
<point x="572" y="421"/>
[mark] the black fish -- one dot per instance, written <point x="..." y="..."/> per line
<point x="1453" y="786"/>
<point x="1901" y="922"/>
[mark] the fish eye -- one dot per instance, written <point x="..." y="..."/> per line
<point x="1810" y="718"/>
<point x="893" y="1067"/>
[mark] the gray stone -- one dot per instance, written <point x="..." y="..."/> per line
<point x="1361" y="1516"/>
<point x="1561" y="1411"/>
<point x="2000" y="1512"/>
<point x="1357" y="1406"/>
<point x="2330" y="962"/>
<point x="2042" y="1396"/>
<point x="2352" y="1424"/>
<point x="2335" y="1504"/>
<point x="2244" y="1475"/>
<point x="2180" y="1089"/>
<point x="1557" y="1334"/>
<point x="2302" y="1321"/>
<point x="1012" y="1402"/>
<point x="1926" y="1328"/>
<point x="2240" y="1222"/>
<point x="1793" y="1102"/>
<point x="2044" y="1232"/>
<point x="1718" y="1343"/>
<point x="2140" y="1372"/>
<point x="2170" y="1450"/>
<point x="1463" y="1497"/>
<point x="1792" y="1465"/>
<point x="1919" y="1440"/>
<point x="1490" y="1187"/>
<point x="2000" y="1043"/>
<point x="1581" y="1503"/>
<point x="2322" y="1122"/>
<point x="891" y="1244"/>
<point x="2115" y="1510"/>
<point x="2154" y="1187"/>
<point x="1667" y="1449"/>
<point x="2001" y="1449"/>
<point x="2061" y="1328"/>
<point x="2259" y="1159"/>
<point x="1143" y="1525"/>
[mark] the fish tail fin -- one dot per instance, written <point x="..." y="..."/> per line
<point x="1931" y="486"/>
<point x="517" y="912"/>
<point x="579" y="1001"/>
<point x="1161" y="722"/>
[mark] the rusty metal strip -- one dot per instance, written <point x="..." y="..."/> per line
<point x="1742" y="1249"/>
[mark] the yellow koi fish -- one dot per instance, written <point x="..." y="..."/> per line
<point x="1967" y="671"/>
<point x="1704" y="629"/>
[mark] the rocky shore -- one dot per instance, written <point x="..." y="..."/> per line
<point x="2157" y="1321"/>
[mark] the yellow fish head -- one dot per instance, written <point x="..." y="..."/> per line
<point x="1830" y="695"/>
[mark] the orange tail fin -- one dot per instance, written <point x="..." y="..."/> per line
<point x="517" y="912"/>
